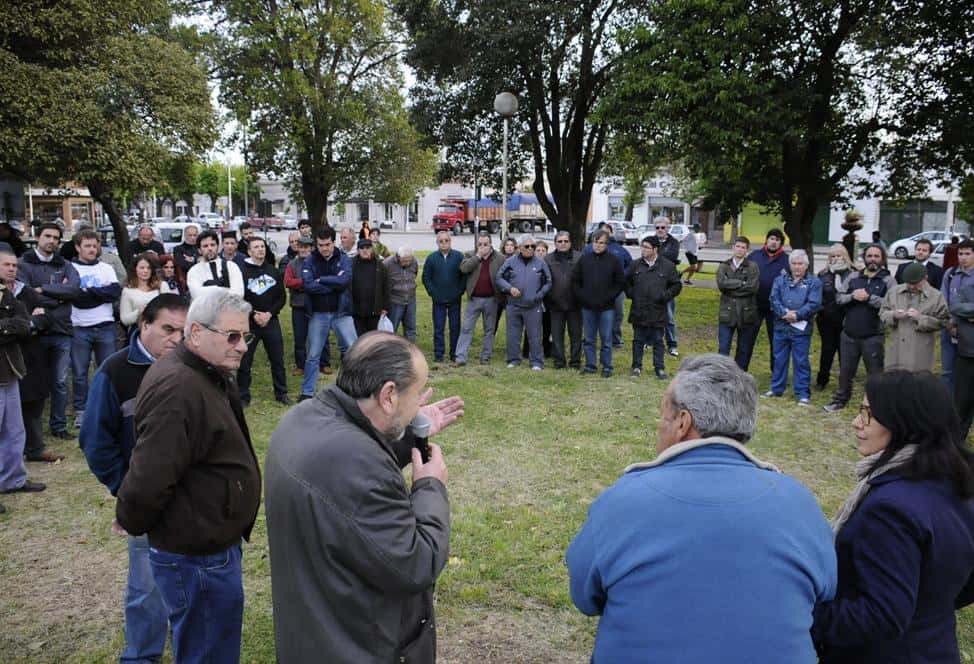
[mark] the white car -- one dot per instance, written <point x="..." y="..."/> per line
<point x="905" y="247"/>
<point x="628" y="231"/>
<point x="211" y="220"/>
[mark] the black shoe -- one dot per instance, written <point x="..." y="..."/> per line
<point x="820" y="387"/>
<point x="245" y="403"/>
<point x="484" y="360"/>
<point x="606" y="373"/>
<point x="285" y="399"/>
<point x="635" y="373"/>
<point x="2" y="508"/>
<point x="63" y="435"/>
<point x="585" y="371"/>
<point x="438" y="358"/>
<point x="660" y="374"/>
<point x="304" y="397"/>
<point x="27" y="487"/>
<point x="833" y="407"/>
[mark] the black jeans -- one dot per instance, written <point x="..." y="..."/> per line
<point x="33" y="412"/>
<point x="870" y="349"/>
<point x="273" y="340"/>
<point x="365" y="324"/>
<point x="643" y="336"/>
<point x="964" y="391"/>
<point x="830" y="332"/>
<point x="573" y="321"/>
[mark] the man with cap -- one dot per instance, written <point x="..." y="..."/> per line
<point x="10" y="233"/>
<point x="370" y="288"/>
<point x="299" y="315"/>
<point x="772" y="261"/>
<point x="914" y="312"/>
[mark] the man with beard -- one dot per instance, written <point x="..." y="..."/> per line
<point x="922" y="251"/>
<point x="213" y="271"/>
<point x="772" y="261"/>
<point x="354" y="552"/>
<point x="861" y="295"/>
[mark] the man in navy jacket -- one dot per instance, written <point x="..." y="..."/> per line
<point x="107" y="438"/>
<point x="445" y="284"/>
<point x="772" y="261"/>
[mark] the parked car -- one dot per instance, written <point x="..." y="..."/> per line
<point x="626" y="230"/>
<point x="211" y="220"/>
<point x="290" y="223"/>
<point x="679" y="231"/>
<point x="905" y="247"/>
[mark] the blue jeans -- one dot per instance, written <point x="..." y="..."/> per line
<point x="58" y="348"/>
<point x="671" y="324"/>
<point x="619" y="309"/>
<point x="97" y="338"/>
<point x="405" y="314"/>
<point x="318" y="328"/>
<point x="788" y="344"/>
<point x="146" y="617"/>
<point x="746" y="337"/>
<point x="641" y="337"/>
<point x="597" y="322"/>
<point x="442" y="311"/>
<point x="948" y="356"/>
<point x="204" y="595"/>
<point x="13" y="474"/>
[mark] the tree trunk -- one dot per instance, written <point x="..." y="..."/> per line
<point x="104" y="195"/>
<point x="799" y="227"/>
<point x="629" y="209"/>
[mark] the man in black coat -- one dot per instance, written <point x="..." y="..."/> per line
<point x="596" y="282"/>
<point x="935" y="273"/>
<point x="651" y="283"/>
<point x="561" y="302"/>
<point x="264" y="290"/>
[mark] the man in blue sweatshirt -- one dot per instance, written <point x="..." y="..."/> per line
<point x="772" y="261"/>
<point x="107" y="438"/>
<point x="706" y="554"/>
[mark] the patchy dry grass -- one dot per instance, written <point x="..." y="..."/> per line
<point x="530" y="455"/>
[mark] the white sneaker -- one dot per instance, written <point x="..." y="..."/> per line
<point x="536" y="368"/>
<point x="511" y="365"/>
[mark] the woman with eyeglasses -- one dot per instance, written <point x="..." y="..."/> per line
<point x="143" y="285"/>
<point x="905" y="536"/>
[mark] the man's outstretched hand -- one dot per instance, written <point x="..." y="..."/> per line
<point x="443" y="413"/>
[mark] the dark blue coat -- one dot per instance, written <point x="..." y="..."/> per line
<point x="905" y="560"/>
<point x="769" y="268"/>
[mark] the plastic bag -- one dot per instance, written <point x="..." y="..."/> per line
<point x="385" y="325"/>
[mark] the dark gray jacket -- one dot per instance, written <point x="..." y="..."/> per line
<point x="354" y="552"/>
<point x="962" y="311"/>
<point x="60" y="283"/>
<point x="561" y="297"/>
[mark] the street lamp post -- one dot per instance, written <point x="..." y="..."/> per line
<point x="505" y="105"/>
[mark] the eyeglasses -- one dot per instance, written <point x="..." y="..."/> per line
<point x="865" y="414"/>
<point x="233" y="337"/>
<point x="661" y="228"/>
<point x="527" y="246"/>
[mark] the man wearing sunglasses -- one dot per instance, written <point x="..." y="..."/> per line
<point x="525" y="279"/>
<point x="193" y="483"/>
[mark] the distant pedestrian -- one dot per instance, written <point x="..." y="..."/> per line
<point x="669" y="248"/>
<point x="651" y="283"/>
<point x="597" y="281"/>
<point x="690" y="249"/>
<point x="444" y="283"/>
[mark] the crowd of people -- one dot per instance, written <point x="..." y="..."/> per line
<point x="355" y="551"/>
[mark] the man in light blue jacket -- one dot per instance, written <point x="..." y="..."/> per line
<point x="525" y="279"/>
<point x="706" y="554"/>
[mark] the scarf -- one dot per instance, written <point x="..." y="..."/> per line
<point x="901" y="458"/>
<point x="687" y="445"/>
<point x="838" y="266"/>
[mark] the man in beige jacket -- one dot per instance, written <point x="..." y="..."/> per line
<point x="914" y="312"/>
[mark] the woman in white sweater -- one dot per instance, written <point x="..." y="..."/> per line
<point x="142" y="285"/>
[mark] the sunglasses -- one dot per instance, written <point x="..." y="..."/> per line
<point x="233" y="337"/>
<point x="527" y="246"/>
<point x="661" y="227"/>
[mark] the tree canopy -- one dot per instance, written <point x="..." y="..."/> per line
<point x="558" y="57"/>
<point x="101" y="93"/>
<point x="316" y="85"/>
<point x="795" y="104"/>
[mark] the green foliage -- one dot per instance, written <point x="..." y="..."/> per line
<point x="315" y="85"/>
<point x="558" y="57"/>
<point x="791" y="104"/>
<point x="99" y="93"/>
<point x="965" y="206"/>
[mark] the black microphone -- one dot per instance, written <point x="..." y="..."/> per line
<point x="420" y="426"/>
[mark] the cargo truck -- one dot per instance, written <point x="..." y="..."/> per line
<point x="524" y="215"/>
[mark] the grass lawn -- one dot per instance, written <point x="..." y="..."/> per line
<point x="529" y="456"/>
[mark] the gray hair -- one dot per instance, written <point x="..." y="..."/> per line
<point x="563" y="234"/>
<point x="721" y="399"/>
<point x="798" y="256"/>
<point x="662" y="219"/>
<point x="375" y="359"/>
<point x="524" y="238"/>
<point x="404" y="251"/>
<point x="206" y="308"/>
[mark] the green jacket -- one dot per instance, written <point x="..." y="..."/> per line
<point x="738" y="293"/>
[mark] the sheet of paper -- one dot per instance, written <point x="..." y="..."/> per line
<point x="800" y="325"/>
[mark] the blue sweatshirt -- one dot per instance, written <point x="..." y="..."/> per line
<point x="769" y="267"/>
<point x="704" y="558"/>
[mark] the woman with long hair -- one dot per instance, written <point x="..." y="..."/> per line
<point x="142" y="285"/>
<point x="905" y="536"/>
<point x="830" y="317"/>
<point x="170" y="274"/>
